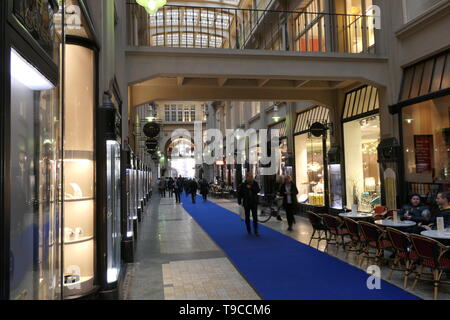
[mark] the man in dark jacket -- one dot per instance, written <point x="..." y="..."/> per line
<point x="204" y="189"/>
<point x="193" y="187"/>
<point x="176" y="190"/>
<point x="248" y="197"/>
<point x="443" y="201"/>
<point x="170" y="184"/>
<point x="289" y="192"/>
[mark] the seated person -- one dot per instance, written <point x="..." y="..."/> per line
<point x="443" y="201"/>
<point x="415" y="210"/>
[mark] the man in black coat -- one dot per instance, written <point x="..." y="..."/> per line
<point x="170" y="184"/>
<point x="177" y="189"/>
<point x="248" y="197"/>
<point x="193" y="187"/>
<point x="204" y="189"/>
<point x="289" y="192"/>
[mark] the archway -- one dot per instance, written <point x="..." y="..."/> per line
<point x="180" y="157"/>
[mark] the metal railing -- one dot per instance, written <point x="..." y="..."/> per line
<point x="234" y="28"/>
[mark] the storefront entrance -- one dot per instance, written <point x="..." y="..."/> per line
<point x="361" y="135"/>
<point x="310" y="158"/>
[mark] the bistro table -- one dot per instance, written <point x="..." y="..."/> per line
<point x="443" y="237"/>
<point x="395" y="224"/>
<point x="357" y="215"/>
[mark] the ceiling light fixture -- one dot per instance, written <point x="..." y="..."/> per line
<point x="152" y="6"/>
<point x="276" y="117"/>
<point x="28" y="75"/>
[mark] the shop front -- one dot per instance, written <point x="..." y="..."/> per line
<point x="361" y="137"/>
<point x="424" y="111"/>
<point x="30" y="149"/>
<point x="311" y="170"/>
<point x="53" y="237"/>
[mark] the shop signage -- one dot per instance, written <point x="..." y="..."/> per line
<point x="151" y="129"/>
<point x="151" y="143"/>
<point x="317" y="129"/>
<point x="37" y="16"/>
<point x="423" y="147"/>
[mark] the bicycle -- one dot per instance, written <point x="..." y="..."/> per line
<point x="270" y="208"/>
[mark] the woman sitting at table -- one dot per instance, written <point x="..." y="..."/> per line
<point x="443" y="201"/>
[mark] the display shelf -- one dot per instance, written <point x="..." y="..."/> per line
<point x="79" y="288"/>
<point x="78" y="240"/>
<point x="79" y="199"/>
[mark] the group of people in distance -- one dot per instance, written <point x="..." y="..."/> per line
<point x="175" y="186"/>
<point x="248" y="196"/>
<point x="425" y="218"/>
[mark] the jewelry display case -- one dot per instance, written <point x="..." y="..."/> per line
<point x="127" y="209"/>
<point x="109" y="239"/>
<point x="79" y="170"/>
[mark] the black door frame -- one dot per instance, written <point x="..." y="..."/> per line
<point x="13" y="35"/>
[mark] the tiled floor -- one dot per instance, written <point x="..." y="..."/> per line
<point x="212" y="279"/>
<point x="176" y="259"/>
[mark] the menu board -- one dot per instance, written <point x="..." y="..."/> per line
<point x="423" y="146"/>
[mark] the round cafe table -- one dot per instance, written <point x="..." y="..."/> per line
<point x="395" y="224"/>
<point x="443" y="237"/>
<point x="357" y="215"/>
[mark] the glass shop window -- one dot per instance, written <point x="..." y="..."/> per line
<point x="426" y="145"/>
<point x="309" y="169"/>
<point x="362" y="176"/>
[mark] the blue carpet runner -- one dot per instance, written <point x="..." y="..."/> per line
<point x="281" y="268"/>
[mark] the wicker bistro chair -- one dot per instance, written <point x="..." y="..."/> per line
<point x="379" y="212"/>
<point x="226" y="193"/>
<point x="318" y="227"/>
<point x="356" y="238"/>
<point x="403" y="250"/>
<point x="374" y="238"/>
<point x="336" y="230"/>
<point x="431" y="254"/>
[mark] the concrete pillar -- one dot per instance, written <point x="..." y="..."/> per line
<point x="290" y="124"/>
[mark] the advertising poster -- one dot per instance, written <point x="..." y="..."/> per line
<point x="423" y="146"/>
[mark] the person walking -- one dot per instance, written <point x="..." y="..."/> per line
<point x="204" y="189"/>
<point x="288" y="191"/>
<point x="248" y="198"/>
<point x="177" y="186"/>
<point x="162" y="187"/>
<point x="170" y="186"/>
<point x="186" y="183"/>
<point x="192" y="189"/>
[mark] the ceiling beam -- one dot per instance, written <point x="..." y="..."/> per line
<point x="143" y="94"/>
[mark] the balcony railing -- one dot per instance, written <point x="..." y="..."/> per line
<point x="233" y="28"/>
